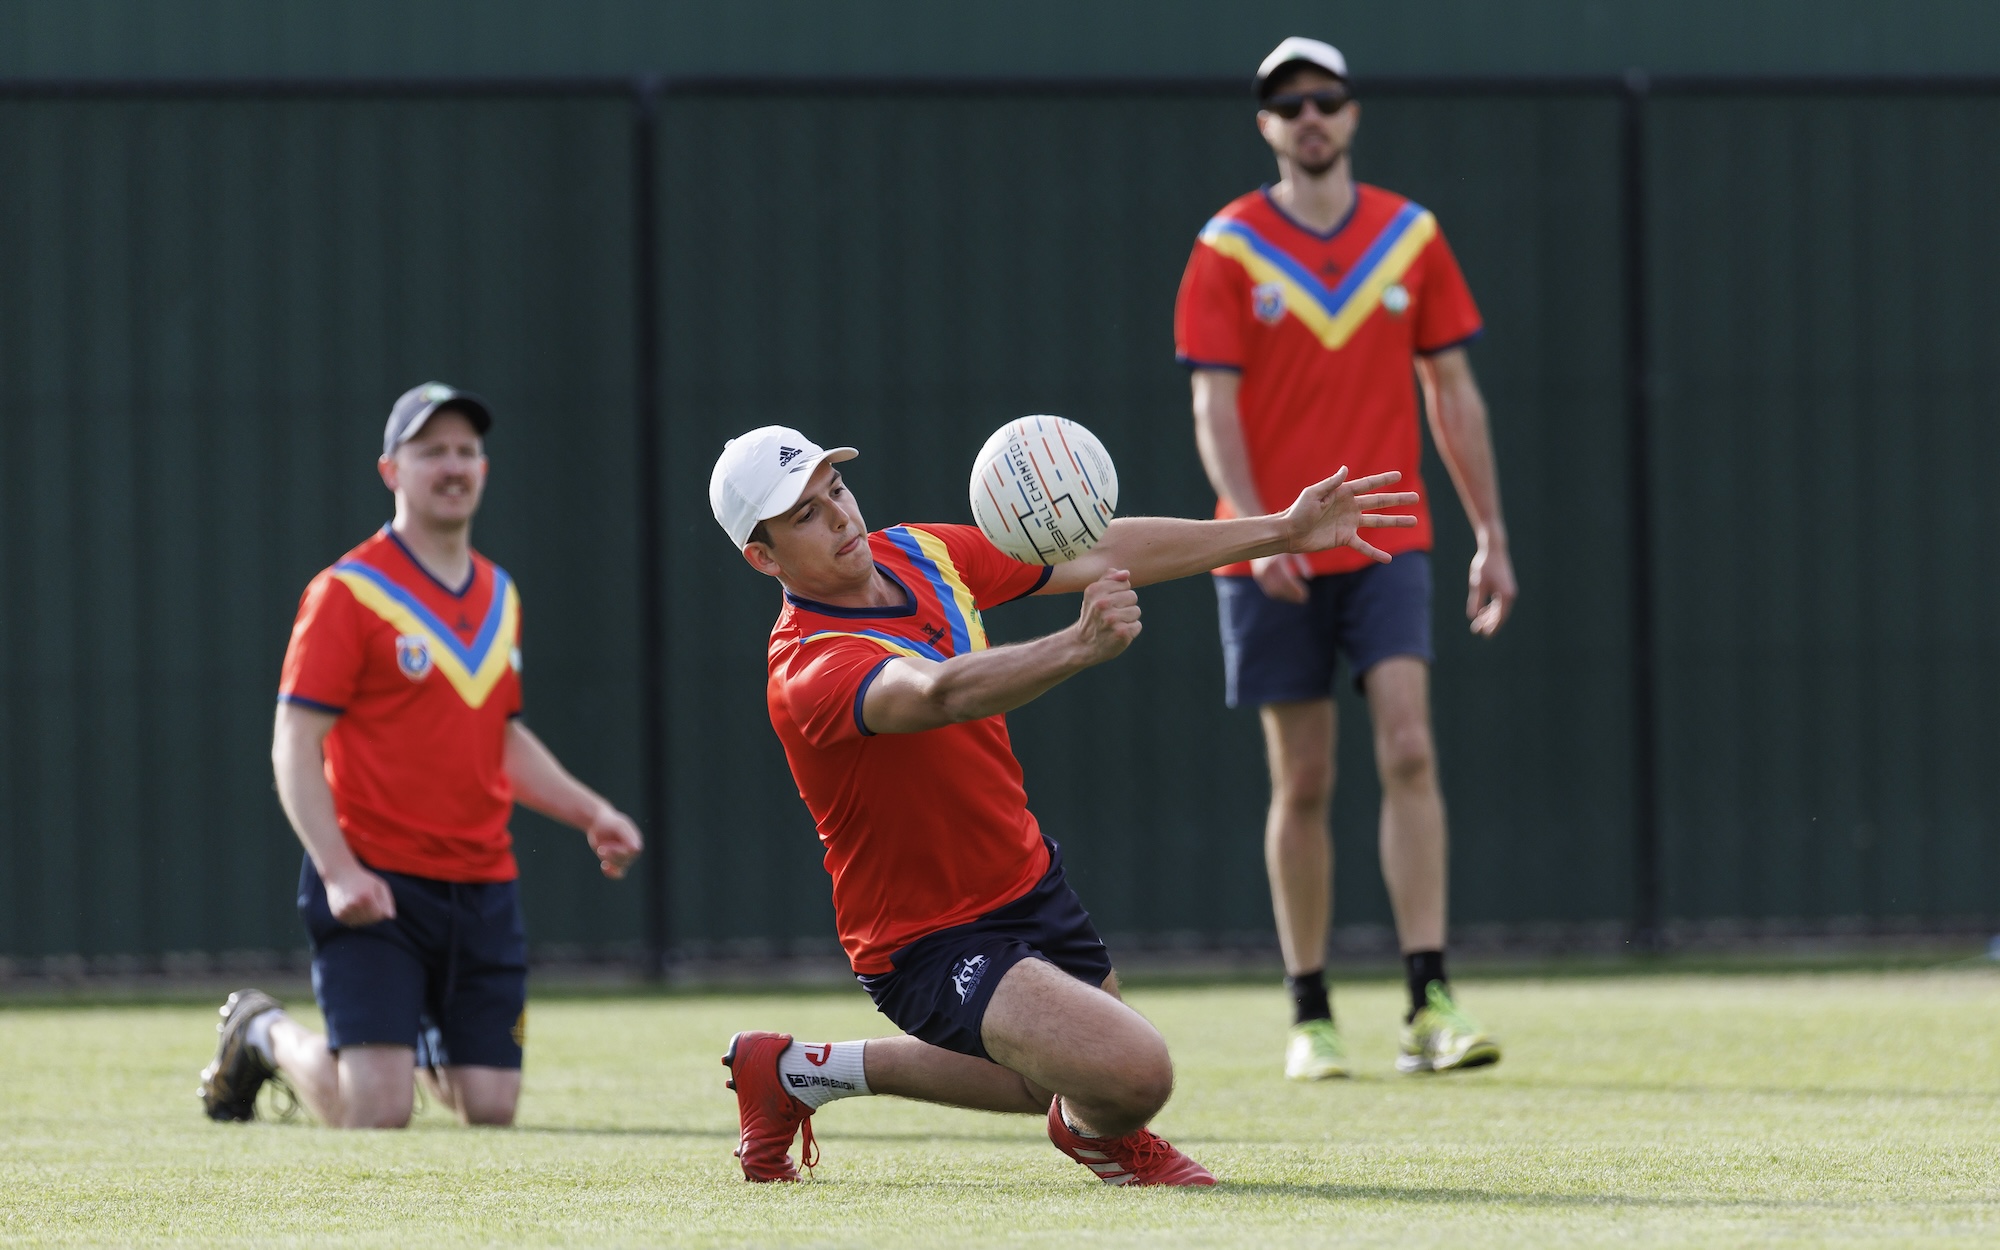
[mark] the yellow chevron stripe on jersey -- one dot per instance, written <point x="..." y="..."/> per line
<point x="908" y="647"/>
<point x="1332" y="315"/>
<point x="939" y="557"/>
<point x="474" y="682"/>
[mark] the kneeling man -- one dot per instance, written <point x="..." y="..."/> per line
<point x="399" y="754"/>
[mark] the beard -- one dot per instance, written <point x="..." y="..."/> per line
<point x="1319" y="168"/>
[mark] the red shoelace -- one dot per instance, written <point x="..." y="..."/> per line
<point x="808" y="1148"/>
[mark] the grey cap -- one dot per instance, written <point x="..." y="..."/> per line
<point x="417" y="404"/>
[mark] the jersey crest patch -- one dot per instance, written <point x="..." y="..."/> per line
<point x="474" y="669"/>
<point x="413" y="656"/>
<point x="1267" y="301"/>
<point x="1396" y="298"/>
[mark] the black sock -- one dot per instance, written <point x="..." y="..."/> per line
<point x="1421" y="968"/>
<point x="1309" y="1000"/>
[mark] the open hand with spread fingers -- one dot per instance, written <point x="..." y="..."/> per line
<point x="1333" y="513"/>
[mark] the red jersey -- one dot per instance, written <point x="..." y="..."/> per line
<point x="424" y="679"/>
<point x="926" y="830"/>
<point x="1323" y="328"/>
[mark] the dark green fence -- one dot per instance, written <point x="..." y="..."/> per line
<point x="208" y="297"/>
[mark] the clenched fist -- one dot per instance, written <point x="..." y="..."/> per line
<point x="1110" y="619"/>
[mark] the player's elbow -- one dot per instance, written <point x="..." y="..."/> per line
<point x="286" y="749"/>
<point x="914" y="703"/>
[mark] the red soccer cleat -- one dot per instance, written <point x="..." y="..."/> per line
<point x="1138" y="1158"/>
<point x="770" y="1117"/>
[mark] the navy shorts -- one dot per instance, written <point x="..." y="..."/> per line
<point x="943" y="981"/>
<point x="448" y="975"/>
<point x="1275" y="652"/>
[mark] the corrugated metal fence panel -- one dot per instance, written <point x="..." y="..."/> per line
<point x="1224" y="37"/>
<point x="906" y="274"/>
<point x="205" y="309"/>
<point x="1826" y="277"/>
<point x="1533" y="726"/>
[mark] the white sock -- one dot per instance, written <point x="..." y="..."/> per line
<point x="816" y="1073"/>
<point x="257" y="1035"/>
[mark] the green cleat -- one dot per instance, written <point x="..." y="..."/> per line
<point x="1442" y="1038"/>
<point x="1315" y="1052"/>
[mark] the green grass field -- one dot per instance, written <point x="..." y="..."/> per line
<point x="1850" y="1108"/>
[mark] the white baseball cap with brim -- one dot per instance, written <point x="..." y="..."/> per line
<point x="1298" y="50"/>
<point x="761" y="474"/>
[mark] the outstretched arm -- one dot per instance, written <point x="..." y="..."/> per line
<point x="1458" y="423"/>
<point x="912" y="695"/>
<point x="542" y="783"/>
<point x="1331" y="513"/>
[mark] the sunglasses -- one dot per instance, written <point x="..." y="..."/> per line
<point x="1289" y="106"/>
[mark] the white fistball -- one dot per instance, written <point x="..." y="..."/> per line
<point x="1043" y="489"/>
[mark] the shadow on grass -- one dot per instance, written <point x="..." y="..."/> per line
<point x="586" y="1130"/>
<point x="1447" y="1195"/>
<point x="1753" y="1091"/>
<point x="719" y="1134"/>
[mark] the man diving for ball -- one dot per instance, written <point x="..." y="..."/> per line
<point x="950" y="901"/>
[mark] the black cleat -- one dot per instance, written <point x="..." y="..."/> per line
<point x="229" y="1085"/>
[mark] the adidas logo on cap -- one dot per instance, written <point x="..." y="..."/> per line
<point x="788" y="454"/>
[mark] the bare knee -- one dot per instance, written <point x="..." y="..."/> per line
<point x="1131" y="1095"/>
<point x="493" y="1113"/>
<point x="361" y="1113"/>
<point x="479" y="1096"/>
<point x="377" y="1086"/>
<point x="1406" y="758"/>
<point x="1302" y="786"/>
<point x="1298" y="746"/>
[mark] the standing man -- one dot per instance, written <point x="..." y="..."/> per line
<point x="1304" y="312"/>
<point x="399" y="753"/>
<point x="950" y="901"/>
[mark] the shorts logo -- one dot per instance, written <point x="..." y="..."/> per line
<point x="818" y="1058"/>
<point x="521" y="1028"/>
<point x="1396" y="298"/>
<point x="1268" y="302"/>
<point x="966" y="974"/>
<point x="413" y="656"/>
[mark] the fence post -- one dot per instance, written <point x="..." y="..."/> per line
<point x="652" y="589"/>
<point x="1648" y="933"/>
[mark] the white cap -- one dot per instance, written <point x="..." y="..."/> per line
<point x="761" y="474"/>
<point x="1300" y="50"/>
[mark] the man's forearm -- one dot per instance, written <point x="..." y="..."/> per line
<point x="543" y="784"/>
<point x="988" y="683"/>
<point x="303" y="792"/>
<point x="910" y="696"/>
<point x="1218" y="436"/>
<point x="1465" y="443"/>
<point x="1162" y="549"/>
